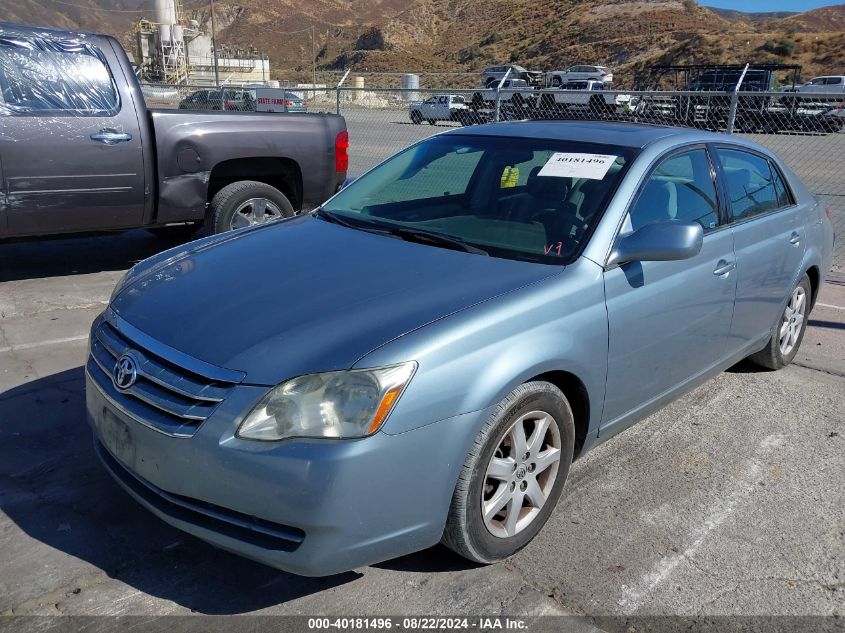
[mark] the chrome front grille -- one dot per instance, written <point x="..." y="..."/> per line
<point x="165" y="396"/>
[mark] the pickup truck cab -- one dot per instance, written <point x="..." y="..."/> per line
<point x="584" y="94"/>
<point x="80" y="150"/>
<point x="513" y="92"/>
<point x="439" y="108"/>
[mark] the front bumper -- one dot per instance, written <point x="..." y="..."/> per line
<point x="311" y="507"/>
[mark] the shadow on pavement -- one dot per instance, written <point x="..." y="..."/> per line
<point x="53" y="487"/>
<point x="833" y="325"/>
<point x="431" y="561"/>
<point x="58" y="256"/>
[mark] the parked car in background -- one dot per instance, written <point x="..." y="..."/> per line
<point x="216" y="99"/>
<point x="494" y="74"/>
<point x="440" y="108"/>
<point x="583" y="95"/>
<point x="115" y="164"/>
<point x="831" y="84"/>
<point x="451" y="330"/>
<point x="557" y="78"/>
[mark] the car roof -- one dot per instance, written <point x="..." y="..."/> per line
<point x="634" y="135"/>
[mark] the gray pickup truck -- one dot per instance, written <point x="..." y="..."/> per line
<point x="80" y="151"/>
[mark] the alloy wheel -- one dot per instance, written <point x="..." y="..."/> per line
<point x="521" y="474"/>
<point x="793" y="321"/>
<point x="255" y="211"/>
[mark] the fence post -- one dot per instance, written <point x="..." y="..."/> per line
<point x="337" y="88"/>
<point x="499" y="95"/>
<point x="735" y="102"/>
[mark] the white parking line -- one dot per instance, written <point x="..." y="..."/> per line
<point x="55" y="341"/>
<point x="633" y="597"/>
<point x="830" y="305"/>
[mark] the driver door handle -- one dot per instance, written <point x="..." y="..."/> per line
<point x="110" y="136"/>
<point x="723" y="267"/>
<point x="795" y="238"/>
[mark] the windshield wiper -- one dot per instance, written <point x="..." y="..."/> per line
<point x="424" y="237"/>
<point x="334" y="218"/>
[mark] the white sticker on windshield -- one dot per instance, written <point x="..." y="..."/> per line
<point x="570" y="165"/>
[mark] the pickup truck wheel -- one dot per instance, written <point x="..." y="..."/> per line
<point x="513" y="475"/>
<point x="246" y="203"/>
<point x="416" y="117"/>
<point x="177" y="232"/>
<point x="432" y="121"/>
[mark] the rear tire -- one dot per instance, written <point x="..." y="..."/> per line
<point x="789" y="332"/>
<point x="234" y="200"/>
<point x="432" y="122"/>
<point x="485" y="480"/>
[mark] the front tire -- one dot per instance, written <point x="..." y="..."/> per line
<point x="245" y="203"/>
<point x="787" y="337"/>
<point x="513" y="475"/>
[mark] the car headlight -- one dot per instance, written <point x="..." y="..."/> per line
<point x="338" y="404"/>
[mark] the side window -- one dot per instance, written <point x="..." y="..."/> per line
<point x="55" y="76"/>
<point x="681" y="188"/>
<point x="751" y="186"/>
<point x="783" y="193"/>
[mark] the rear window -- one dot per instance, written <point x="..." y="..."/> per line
<point x="42" y="75"/>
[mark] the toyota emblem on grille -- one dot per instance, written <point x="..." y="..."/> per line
<point x="125" y="372"/>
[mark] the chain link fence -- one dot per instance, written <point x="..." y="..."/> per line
<point x="806" y="130"/>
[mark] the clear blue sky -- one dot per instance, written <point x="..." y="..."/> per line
<point x="770" y="5"/>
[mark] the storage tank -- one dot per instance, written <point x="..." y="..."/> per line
<point x="164" y="33"/>
<point x="410" y="84"/>
<point x="165" y="11"/>
<point x="358" y="84"/>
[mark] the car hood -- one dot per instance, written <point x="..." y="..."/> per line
<point x="304" y="295"/>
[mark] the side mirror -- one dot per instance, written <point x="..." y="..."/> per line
<point x="659" y="242"/>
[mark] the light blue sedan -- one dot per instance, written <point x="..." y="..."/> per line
<point x="422" y="358"/>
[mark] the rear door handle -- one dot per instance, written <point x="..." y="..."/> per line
<point x="724" y="267"/>
<point x="795" y="238"/>
<point x="110" y="136"/>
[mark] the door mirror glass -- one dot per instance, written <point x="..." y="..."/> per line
<point x="659" y="242"/>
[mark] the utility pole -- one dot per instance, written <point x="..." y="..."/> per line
<point x="314" y="64"/>
<point x="214" y="46"/>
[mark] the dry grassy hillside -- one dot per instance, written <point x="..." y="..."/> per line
<point x="467" y="35"/>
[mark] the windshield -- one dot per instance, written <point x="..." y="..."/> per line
<point x="530" y="199"/>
